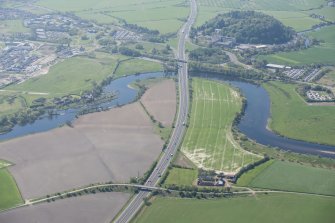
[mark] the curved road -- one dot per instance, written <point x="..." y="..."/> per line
<point x="135" y="204"/>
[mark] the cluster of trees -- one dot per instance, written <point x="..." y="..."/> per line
<point x="250" y="167"/>
<point x="209" y="55"/>
<point x="228" y="72"/>
<point x="22" y="117"/>
<point x="248" y="27"/>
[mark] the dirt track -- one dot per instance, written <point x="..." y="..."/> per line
<point x="96" y="208"/>
<point x="160" y="101"/>
<point x="106" y="146"/>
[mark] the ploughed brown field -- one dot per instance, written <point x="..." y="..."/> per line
<point x="107" y="146"/>
<point x="84" y="209"/>
<point x="160" y="101"/>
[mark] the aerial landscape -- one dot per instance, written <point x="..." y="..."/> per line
<point x="167" y="111"/>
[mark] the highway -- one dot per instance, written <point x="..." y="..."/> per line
<point x="177" y="135"/>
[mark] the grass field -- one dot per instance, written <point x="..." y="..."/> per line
<point x="287" y="176"/>
<point x="85" y="71"/>
<point x="179" y="176"/>
<point x="247" y="177"/>
<point x="208" y="141"/>
<point x="9" y="193"/>
<point x="164" y="16"/>
<point x="329" y="79"/>
<point x="323" y="53"/>
<point x="12" y="26"/>
<point x="292" y="117"/>
<point x="59" y="79"/>
<point x="264" y="208"/>
<point x="291" y="13"/>
<point x="10" y="102"/>
<point x="136" y="66"/>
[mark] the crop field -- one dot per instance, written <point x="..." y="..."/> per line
<point x="180" y="176"/>
<point x="164" y="16"/>
<point x="254" y="209"/>
<point x="295" y="177"/>
<point x="137" y="66"/>
<point x="208" y="142"/>
<point x="323" y="53"/>
<point x="100" y="207"/>
<point x="9" y="192"/>
<point x="291" y="13"/>
<point x="292" y="117"/>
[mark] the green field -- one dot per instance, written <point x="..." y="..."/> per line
<point x="247" y="177"/>
<point x="329" y="79"/>
<point x="85" y="71"/>
<point x="292" y="117"/>
<point x="288" y="176"/>
<point x="9" y="192"/>
<point x="208" y="141"/>
<point x="180" y="176"/>
<point x="292" y="13"/>
<point x="263" y="208"/>
<point x="164" y="16"/>
<point x="59" y="80"/>
<point x="323" y="53"/>
<point x="13" y="26"/>
<point x="137" y="66"/>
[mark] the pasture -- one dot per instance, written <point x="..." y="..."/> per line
<point x="323" y="53"/>
<point x="208" y="142"/>
<point x="164" y="16"/>
<point x="288" y="176"/>
<point x="9" y="192"/>
<point x="58" y="81"/>
<point x="180" y="176"/>
<point x="292" y="13"/>
<point x="292" y="117"/>
<point x="276" y="208"/>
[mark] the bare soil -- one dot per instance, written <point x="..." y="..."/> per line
<point x="107" y="146"/>
<point x="160" y="101"/>
<point x="98" y="208"/>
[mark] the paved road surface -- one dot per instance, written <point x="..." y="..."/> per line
<point x="177" y="134"/>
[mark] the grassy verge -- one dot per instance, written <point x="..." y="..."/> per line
<point x="9" y="193"/>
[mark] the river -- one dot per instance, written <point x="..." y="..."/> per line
<point x="120" y="86"/>
<point x="253" y="124"/>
